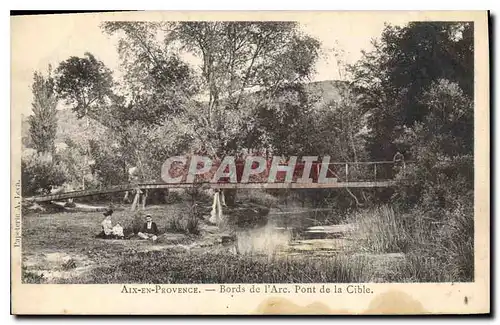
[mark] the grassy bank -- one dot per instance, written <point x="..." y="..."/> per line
<point x="385" y="246"/>
<point x="169" y="267"/>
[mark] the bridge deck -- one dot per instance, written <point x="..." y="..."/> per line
<point x="128" y="187"/>
<point x="347" y="174"/>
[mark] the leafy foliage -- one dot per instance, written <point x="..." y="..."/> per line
<point x="157" y="82"/>
<point x="405" y="63"/>
<point x="76" y="168"/>
<point x="84" y="83"/>
<point x="238" y="57"/>
<point x="417" y="87"/>
<point x="39" y="173"/>
<point x="43" y="122"/>
<point x="162" y="104"/>
<point x="443" y="146"/>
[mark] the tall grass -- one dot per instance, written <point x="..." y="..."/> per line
<point x="380" y="231"/>
<point x="188" y="222"/>
<point x="435" y="250"/>
<point x="448" y="254"/>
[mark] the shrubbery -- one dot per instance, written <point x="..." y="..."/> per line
<point x="31" y="277"/>
<point x="188" y="222"/>
<point x="39" y="173"/>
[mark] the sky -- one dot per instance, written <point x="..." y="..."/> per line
<point x="38" y="41"/>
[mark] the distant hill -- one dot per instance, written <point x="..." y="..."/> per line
<point x="327" y="90"/>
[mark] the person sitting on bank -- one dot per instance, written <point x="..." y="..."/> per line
<point x="107" y="225"/>
<point x="149" y="230"/>
<point x="108" y="230"/>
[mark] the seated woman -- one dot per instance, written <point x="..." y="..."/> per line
<point x="108" y="231"/>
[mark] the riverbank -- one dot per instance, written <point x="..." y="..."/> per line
<point x="61" y="248"/>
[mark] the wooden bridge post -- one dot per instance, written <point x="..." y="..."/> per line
<point x="144" y="198"/>
<point x="346" y="172"/>
<point x="375" y="171"/>
<point x="136" y="199"/>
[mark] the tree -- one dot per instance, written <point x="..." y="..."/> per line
<point x="157" y="82"/>
<point x="236" y="58"/>
<point x="43" y="122"/>
<point x="239" y="58"/>
<point x="443" y="145"/>
<point x="440" y="186"/>
<point x="84" y="83"/>
<point x="170" y="107"/>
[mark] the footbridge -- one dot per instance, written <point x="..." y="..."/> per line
<point x="369" y="174"/>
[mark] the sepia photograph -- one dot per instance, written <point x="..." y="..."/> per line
<point x="196" y="155"/>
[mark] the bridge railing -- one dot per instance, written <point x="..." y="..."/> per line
<point x="367" y="170"/>
<point x="348" y="174"/>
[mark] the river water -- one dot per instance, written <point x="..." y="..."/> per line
<point x="296" y="233"/>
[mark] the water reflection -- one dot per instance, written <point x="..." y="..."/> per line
<point x="294" y="233"/>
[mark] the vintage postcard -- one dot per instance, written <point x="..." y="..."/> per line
<point x="247" y="163"/>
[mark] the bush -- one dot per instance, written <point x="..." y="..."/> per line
<point x="31" y="277"/>
<point x="186" y="223"/>
<point x="258" y="196"/>
<point x="192" y="225"/>
<point x="109" y="167"/>
<point x="69" y="264"/>
<point x="175" y="224"/>
<point x="134" y="225"/>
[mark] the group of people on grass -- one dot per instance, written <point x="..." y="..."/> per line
<point x="149" y="229"/>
